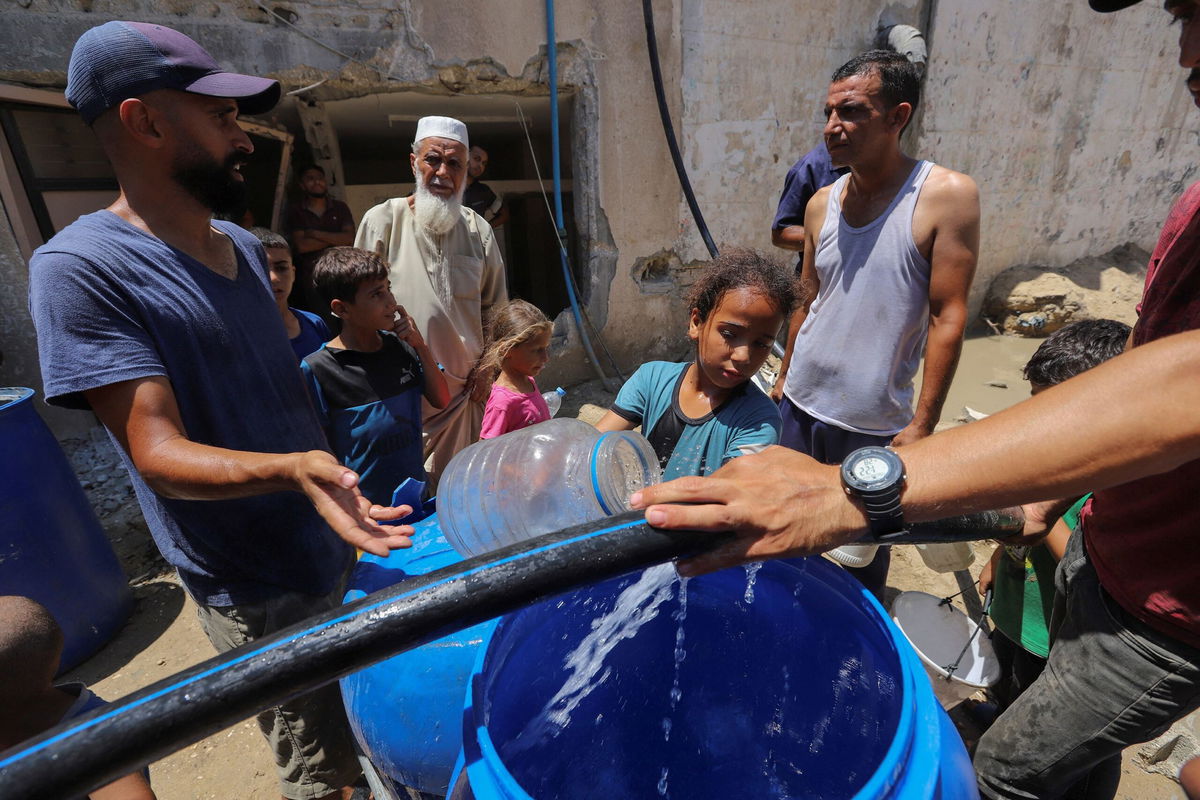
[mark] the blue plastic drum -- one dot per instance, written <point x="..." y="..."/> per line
<point x="780" y="682"/>
<point x="52" y="548"/>
<point x="406" y="712"/>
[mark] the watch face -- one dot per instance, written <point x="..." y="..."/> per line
<point x="870" y="469"/>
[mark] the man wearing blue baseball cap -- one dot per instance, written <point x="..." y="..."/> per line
<point x="162" y="322"/>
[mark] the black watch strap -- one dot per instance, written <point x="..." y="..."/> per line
<point x="875" y="475"/>
<point x="884" y="514"/>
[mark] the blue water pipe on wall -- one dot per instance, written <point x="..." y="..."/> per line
<point x="559" y="223"/>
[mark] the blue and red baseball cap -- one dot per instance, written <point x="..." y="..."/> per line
<point x="119" y="60"/>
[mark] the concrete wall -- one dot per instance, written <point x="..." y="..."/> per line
<point x="754" y="86"/>
<point x="1076" y="126"/>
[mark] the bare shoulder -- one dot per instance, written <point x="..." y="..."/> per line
<point x="821" y="197"/>
<point x="946" y="185"/>
<point x="814" y="212"/>
<point x="947" y="212"/>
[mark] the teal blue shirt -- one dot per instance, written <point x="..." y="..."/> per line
<point x="745" y="423"/>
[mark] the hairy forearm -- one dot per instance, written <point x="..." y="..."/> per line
<point x="186" y="470"/>
<point x="144" y="417"/>
<point x="1067" y="440"/>
<point x="943" y="346"/>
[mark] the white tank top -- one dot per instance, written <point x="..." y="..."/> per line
<point x="857" y="352"/>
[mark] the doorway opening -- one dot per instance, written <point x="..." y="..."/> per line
<point x="374" y="134"/>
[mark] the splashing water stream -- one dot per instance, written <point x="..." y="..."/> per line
<point x="636" y="605"/>
<point x="751" y="573"/>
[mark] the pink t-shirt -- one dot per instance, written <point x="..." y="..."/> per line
<point x="510" y="411"/>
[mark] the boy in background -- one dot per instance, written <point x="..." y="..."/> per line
<point x="367" y="383"/>
<point x="306" y="331"/>
<point x="31" y="645"/>
<point x="1022" y="578"/>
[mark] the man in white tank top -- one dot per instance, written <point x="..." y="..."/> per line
<point x="889" y="254"/>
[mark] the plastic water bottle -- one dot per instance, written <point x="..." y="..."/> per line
<point x="549" y="476"/>
<point x="554" y="400"/>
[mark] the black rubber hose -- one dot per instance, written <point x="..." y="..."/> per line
<point x="997" y="524"/>
<point x="669" y="130"/>
<point x="89" y="751"/>
<point x="74" y="758"/>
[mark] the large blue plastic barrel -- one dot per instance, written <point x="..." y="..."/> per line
<point x="406" y="712"/>
<point x="52" y="548"/>
<point x="788" y="682"/>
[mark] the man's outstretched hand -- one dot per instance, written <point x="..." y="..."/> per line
<point x="780" y="503"/>
<point x="333" y="490"/>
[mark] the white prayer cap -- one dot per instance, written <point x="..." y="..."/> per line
<point x="445" y="127"/>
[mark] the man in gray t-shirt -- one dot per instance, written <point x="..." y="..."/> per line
<point x="162" y="322"/>
<point x="889" y="254"/>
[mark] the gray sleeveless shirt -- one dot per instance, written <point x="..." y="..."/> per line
<point x="856" y="353"/>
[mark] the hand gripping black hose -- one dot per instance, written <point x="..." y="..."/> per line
<point x="94" y="749"/>
<point x="89" y="751"/>
<point x="669" y="130"/>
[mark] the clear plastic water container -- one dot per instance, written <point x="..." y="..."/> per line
<point x="549" y="476"/>
<point x="554" y="400"/>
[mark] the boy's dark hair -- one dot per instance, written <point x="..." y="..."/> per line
<point x="1076" y="348"/>
<point x="742" y="268"/>
<point x="341" y="270"/>
<point x="900" y="79"/>
<point x="31" y="644"/>
<point x="310" y="168"/>
<point x="269" y="238"/>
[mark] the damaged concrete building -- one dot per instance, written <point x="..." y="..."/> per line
<point x="1045" y="105"/>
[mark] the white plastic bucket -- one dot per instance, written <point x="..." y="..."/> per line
<point x="947" y="556"/>
<point x="938" y="632"/>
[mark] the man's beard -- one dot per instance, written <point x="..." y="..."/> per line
<point x="435" y="217"/>
<point x="435" y="214"/>
<point x="211" y="183"/>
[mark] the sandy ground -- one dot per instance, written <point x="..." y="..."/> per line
<point x="163" y="635"/>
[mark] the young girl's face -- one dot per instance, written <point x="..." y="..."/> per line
<point x="735" y="340"/>
<point x="528" y="357"/>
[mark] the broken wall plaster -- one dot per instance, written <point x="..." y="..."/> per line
<point x="242" y="35"/>
<point x="664" y="272"/>
<point x="979" y="113"/>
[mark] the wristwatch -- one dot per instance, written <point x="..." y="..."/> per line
<point x="875" y="475"/>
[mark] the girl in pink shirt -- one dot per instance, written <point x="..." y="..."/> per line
<point x="518" y="347"/>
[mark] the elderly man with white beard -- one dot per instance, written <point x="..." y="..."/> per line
<point x="446" y="271"/>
